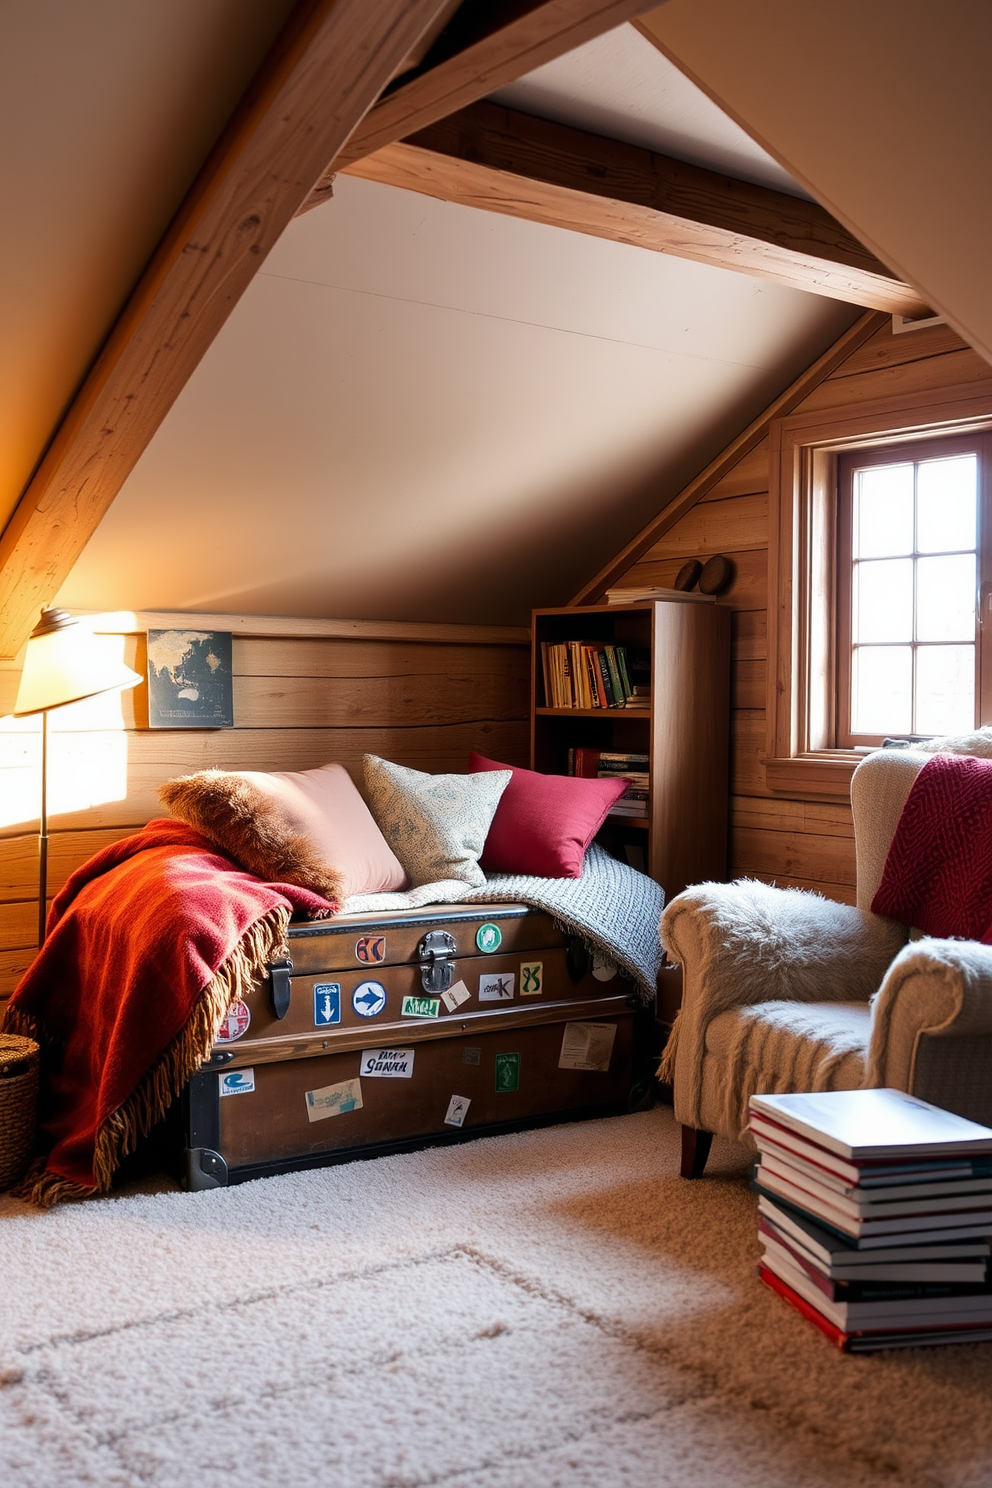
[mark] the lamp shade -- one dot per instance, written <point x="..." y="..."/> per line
<point x="65" y="663"/>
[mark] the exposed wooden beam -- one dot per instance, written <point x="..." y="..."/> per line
<point x="831" y="359"/>
<point x="504" y="161"/>
<point x="486" y="47"/>
<point x="325" y="71"/>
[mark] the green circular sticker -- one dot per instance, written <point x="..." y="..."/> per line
<point x="489" y="938"/>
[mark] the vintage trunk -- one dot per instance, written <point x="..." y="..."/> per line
<point x="385" y="1032"/>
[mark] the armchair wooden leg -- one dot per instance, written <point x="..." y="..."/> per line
<point x="695" y="1151"/>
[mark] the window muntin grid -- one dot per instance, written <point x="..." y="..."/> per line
<point x="914" y="582"/>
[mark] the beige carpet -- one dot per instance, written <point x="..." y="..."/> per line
<point x="552" y="1308"/>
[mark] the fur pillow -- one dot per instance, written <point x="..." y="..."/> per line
<point x="304" y="827"/>
<point x="437" y="824"/>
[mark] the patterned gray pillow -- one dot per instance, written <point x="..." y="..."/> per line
<point x="436" y="824"/>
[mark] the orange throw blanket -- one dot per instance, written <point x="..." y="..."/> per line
<point x="147" y="946"/>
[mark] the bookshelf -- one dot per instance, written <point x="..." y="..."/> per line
<point x="683" y="649"/>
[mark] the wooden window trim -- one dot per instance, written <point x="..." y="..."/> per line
<point x="799" y="759"/>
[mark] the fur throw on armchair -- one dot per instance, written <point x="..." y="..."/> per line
<point x="746" y="943"/>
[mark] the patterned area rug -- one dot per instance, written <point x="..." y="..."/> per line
<point x="549" y="1308"/>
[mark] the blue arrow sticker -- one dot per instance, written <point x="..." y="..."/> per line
<point x="326" y="1003"/>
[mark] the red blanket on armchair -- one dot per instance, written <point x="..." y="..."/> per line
<point x="148" y="944"/>
<point x="938" y="874"/>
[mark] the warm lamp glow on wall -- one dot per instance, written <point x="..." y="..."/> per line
<point x="65" y="663"/>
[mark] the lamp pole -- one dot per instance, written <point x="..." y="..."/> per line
<point x="65" y="662"/>
<point x="43" y="834"/>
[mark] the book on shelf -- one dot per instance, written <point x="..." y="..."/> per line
<point x="590" y="763"/>
<point x="874" y="1215"/>
<point x="625" y="678"/>
<point x="588" y="674"/>
<point x="654" y="591"/>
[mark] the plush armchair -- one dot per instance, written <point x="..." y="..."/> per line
<point x="784" y="990"/>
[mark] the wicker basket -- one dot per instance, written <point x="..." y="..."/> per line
<point x="19" y="1064"/>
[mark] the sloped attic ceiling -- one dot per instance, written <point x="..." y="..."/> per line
<point x="419" y="410"/>
<point x="107" y="109"/>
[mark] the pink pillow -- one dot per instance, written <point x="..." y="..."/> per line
<point x="306" y="827"/>
<point x="544" y="823"/>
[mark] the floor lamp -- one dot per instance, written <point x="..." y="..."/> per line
<point x="65" y="662"/>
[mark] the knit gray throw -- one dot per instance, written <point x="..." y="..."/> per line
<point x="612" y="908"/>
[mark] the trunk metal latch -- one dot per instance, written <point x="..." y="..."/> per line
<point x="280" y="973"/>
<point x="437" y="953"/>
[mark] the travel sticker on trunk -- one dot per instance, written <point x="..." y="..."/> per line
<point x="457" y="1110"/>
<point x="334" y="1100"/>
<point x="369" y="999"/>
<point x="587" y="1046"/>
<point x="370" y="948"/>
<point x="237" y="1082"/>
<point x="489" y="938"/>
<point x="507" y="1073"/>
<point x="531" y="978"/>
<point x="326" y="1003"/>
<point x="497" y="988"/>
<point x="455" y="996"/>
<point x="235" y="1024"/>
<point x="420" y="1007"/>
<point x="387" y="1064"/>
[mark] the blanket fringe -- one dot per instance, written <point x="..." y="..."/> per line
<point x="121" y="1132"/>
<point x="666" y="1065"/>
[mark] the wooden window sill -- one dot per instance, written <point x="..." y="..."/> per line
<point x="824" y="774"/>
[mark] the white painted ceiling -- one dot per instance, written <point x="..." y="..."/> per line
<point x="622" y="87"/>
<point x="420" y="410"/>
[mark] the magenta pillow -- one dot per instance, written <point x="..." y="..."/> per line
<point x="544" y="823"/>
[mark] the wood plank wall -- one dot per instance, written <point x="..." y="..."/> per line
<point x="299" y="702"/>
<point x="807" y="844"/>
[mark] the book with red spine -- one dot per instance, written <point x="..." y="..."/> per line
<point x="585" y="763"/>
<point x="866" y="1340"/>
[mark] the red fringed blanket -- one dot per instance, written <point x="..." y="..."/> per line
<point x="148" y="944"/>
<point x="938" y="874"/>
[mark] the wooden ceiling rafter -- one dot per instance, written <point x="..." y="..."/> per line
<point x="483" y="49"/>
<point x="325" y="71"/>
<point x="501" y="160"/>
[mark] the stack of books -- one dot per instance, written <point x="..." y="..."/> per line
<point x="606" y="764"/>
<point x="874" y="1214"/>
<point x="640" y="697"/>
